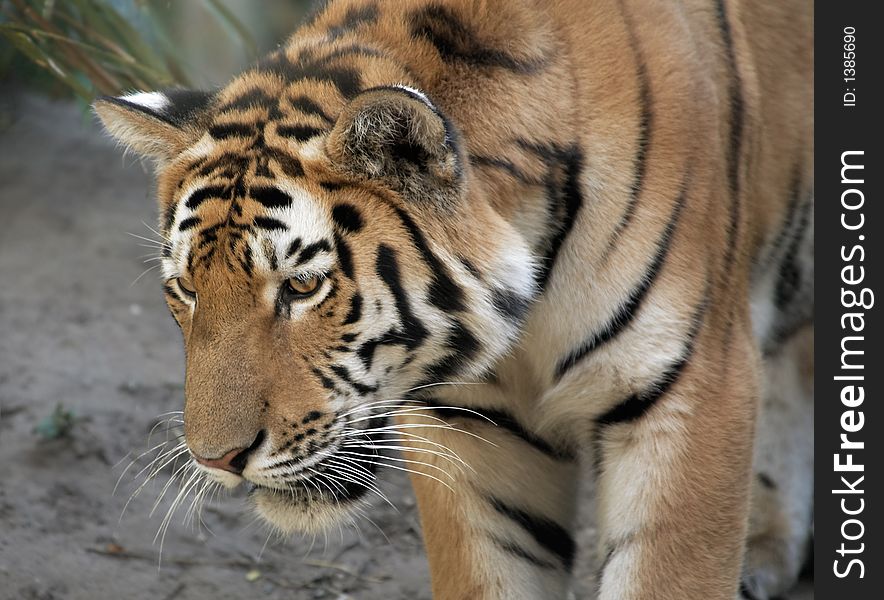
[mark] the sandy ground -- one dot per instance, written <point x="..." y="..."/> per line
<point x="75" y="330"/>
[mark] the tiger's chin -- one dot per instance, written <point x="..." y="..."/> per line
<point x="302" y="512"/>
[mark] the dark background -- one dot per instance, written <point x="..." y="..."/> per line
<point x="839" y="129"/>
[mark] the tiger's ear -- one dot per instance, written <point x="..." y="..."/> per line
<point x="396" y="135"/>
<point x="157" y="125"/>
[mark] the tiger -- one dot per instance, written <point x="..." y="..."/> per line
<point x="506" y="245"/>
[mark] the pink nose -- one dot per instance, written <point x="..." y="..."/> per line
<point x="232" y="461"/>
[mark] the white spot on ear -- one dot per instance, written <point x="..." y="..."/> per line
<point x="154" y="101"/>
<point x="415" y="92"/>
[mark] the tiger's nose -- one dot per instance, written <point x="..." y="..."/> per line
<point x="233" y="461"/>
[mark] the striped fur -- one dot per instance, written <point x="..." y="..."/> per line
<point x="543" y="232"/>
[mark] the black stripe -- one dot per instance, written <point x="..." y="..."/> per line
<point x="505" y="165"/>
<point x="323" y="380"/>
<point x="308" y="107"/>
<point x="189" y="223"/>
<point x="456" y="42"/>
<point x="331" y="186"/>
<point x="223" y="131"/>
<point x="548" y="534"/>
<point x="203" y="194"/>
<point x="270" y="253"/>
<point x="392" y="337"/>
<point x="313" y="415"/>
<point x="637" y="405"/>
<point x="355" y="16"/>
<point x="736" y="135"/>
<point x="169" y="218"/>
<point x="564" y="198"/>
<point x="262" y="168"/>
<point x="347" y="217"/>
<point x="255" y="97"/>
<point x="312" y="250"/>
<point x="290" y="165"/>
<point x="269" y="223"/>
<point x="469" y="266"/>
<point x="646" y="120"/>
<point x="345" y="79"/>
<point x="366" y="351"/>
<point x="299" y="133"/>
<point x="332" y="294"/>
<point x="361" y="388"/>
<point x="227" y="164"/>
<point x="628" y="310"/>
<point x="245" y="260"/>
<point x="502" y="419"/>
<point x="345" y="256"/>
<point x="463" y="346"/>
<point x="517" y="551"/>
<point x="293" y="247"/>
<point x="172" y="292"/>
<point x="208" y="235"/>
<point x="510" y="304"/>
<point x="444" y="293"/>
<point x="270" y="197"/>
<point x="789" y="279"/>
<point x="355" y="312"/>
<point x="413" y="332"/>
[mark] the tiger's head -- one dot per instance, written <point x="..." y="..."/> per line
<point x="325" y="255"/>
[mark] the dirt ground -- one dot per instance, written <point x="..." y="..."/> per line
<point x="75" y="330"/>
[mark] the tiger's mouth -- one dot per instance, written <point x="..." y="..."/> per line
<point x="324" y="494"/>
<point x="325" y="482"/>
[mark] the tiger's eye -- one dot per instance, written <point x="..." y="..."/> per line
<point x="186" y="286"/>
<point x="304" y="288"/>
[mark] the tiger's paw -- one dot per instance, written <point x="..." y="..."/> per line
<point x="771" y="568"/>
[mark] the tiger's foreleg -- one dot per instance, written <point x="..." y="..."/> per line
<point x="673" y="477"/>
<point x="496" y="507"/>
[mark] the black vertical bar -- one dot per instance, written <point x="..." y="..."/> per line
<point x="849" y="224"/>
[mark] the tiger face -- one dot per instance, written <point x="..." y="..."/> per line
<point x="323" y="263"/>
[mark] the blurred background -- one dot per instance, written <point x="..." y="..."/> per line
<point x="80" y="48"/>
<point x="91" y="363"/>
